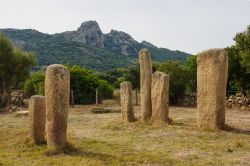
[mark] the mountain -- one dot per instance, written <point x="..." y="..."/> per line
<point x="88" y="46"/>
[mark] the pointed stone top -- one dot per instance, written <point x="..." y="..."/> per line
<point x="159" y="73"/>
<point x="144" y="51"/>
<point x="125" y="83"/>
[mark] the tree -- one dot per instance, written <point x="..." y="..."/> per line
<point x="114" y="76"/>
<point x="132" y="74"/>
<point x="242" y="45"/>
<point x="83" y="80"/>
<point x="14" y="68"/>
<point x="191" y="68"/>
<point x="239" y="62"/>
<point x="238" y="77"/>
<point x="35" y="84"/>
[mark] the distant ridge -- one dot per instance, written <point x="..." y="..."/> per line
<point x="88" y="47"/>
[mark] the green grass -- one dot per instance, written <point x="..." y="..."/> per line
<point x="103" y="139"/>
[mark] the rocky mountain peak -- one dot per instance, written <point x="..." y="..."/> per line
<point x="120" y="42"/>
<point x="89" y="25"/>
<point x="147" y="44"/>
<point x="120" y="34"/>
<point x="88" y="33"/>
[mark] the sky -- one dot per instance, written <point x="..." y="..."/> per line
<point x="187" y="25"/>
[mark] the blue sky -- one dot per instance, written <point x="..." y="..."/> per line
<point x="186" y="25"/>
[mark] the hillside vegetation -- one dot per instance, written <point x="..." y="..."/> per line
<point x="87" y="47"/>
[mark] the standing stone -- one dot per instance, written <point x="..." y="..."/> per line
<point x="37" y="119"/>
<point x="212" y="69"/>
<point x="160" y="98"/>
<point x="126" y="102"/>
<point x="145" y="84"/>
<point x="57" y="90"/>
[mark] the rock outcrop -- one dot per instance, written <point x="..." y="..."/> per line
<point x="120" y="42"/>
<point x="88" y="33"/>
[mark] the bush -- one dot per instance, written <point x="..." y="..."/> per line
<point x="82" y="81"/>
<point x="35" y="84"/>
<point x="105" y="89"/>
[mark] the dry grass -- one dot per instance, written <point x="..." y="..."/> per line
<point x="103" y="139"/>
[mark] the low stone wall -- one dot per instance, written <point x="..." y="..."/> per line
<point x="238" y="101"/>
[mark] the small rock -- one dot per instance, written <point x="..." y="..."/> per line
<point x="14" y="108"/>
<point x="238" y="98"/>
<point x="242" y="107"/>
<point x="22" y="113"/>
<point x="248" y="100"/>
<point x="238" y="94"/>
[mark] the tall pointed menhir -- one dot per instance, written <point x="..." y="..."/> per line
<point x="57" y="90"/>
<point x="145" y="84"/>
<point x="212" y="70"/>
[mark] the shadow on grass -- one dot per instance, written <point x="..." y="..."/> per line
<point x="71" y="150"/>
<point x="30" y="142"/>
<point x="5" y="112"/>
<point x="177" y="123"/>
<point x="235" y="130"/>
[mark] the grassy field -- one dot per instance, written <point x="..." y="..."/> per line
<point x="103" y="139"/>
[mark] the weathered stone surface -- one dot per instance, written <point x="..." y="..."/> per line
<point x="121" y="42"/>
<point x="212" y="69"/>
<point x="160" y="98"/>
<point x="145" y="84"/>
<point x="37" y="119"/>
<point x="88" y="33"/>
<point x="126" y="102"/>
<point x="57" y="90"/>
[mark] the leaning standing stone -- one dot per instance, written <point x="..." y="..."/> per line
<point x="37" y="119"/>
<point x="212" y="70"/>
<point x="57" y="90"/>
<point x="126" y="102"/>
<point x="145" y="84"/>
<point x="160" y="98"/>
